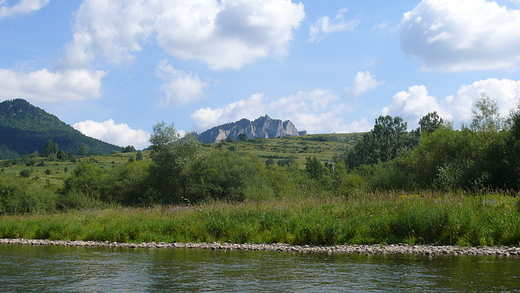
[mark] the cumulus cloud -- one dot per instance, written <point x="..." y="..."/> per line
<point x="363" y="82"/>
<point x="325" y="25"/>
<point x="411" y="105"/>
<point x="118" y="134"/>
<point x="181" y="87"/>
<point x="460" y="35"/>
<point x="316" y="111"/>
<point x="23" y="7"/>
<point x="50" y="87"/>
<point x="222" y="34"/>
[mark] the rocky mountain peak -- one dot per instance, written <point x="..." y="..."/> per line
<point x="262" y="127"/>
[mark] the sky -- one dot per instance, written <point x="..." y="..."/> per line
<point x="113" y="69"/>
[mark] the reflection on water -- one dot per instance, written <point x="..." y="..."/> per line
<point x="79" y="269"/>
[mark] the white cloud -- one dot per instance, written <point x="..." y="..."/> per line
<point x="411" y="105"/>
<point x="50" y="87"/>
<point x="506" y="92"/>
<point x="182" y="87"/>
<point x="317" y="111"/>
<point x="363" y="82"/>
<point x="23" y="7"/>
<point x="222" y="34"/>
<point x="460" y="35"/>
<point x="325" y="25"/>
<point x="118" y="134"/>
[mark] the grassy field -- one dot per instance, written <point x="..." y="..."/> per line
<point x="443" y="219"/>
<point x="55" y="172"/>
<point x="322" y="146"/>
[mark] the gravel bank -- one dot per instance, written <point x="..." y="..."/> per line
<point x="429" y="250"/>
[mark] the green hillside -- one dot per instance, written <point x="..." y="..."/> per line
<point x="25" y="129"/>
<point x="279" y="150"/>
<point x="293" y="148"/>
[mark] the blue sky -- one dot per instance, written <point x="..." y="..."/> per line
<point x="114" y="68"/>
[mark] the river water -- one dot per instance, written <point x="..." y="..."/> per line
<point x="82" y="269"/>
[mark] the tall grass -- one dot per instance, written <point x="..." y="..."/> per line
<point x="376" y="218"/>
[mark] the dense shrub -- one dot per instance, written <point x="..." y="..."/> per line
<point x="19" y="196"/>
<point x="225" y="176"/>
<point x="127" y="184"/>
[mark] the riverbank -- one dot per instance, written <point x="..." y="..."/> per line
<point x="458" y="220"/>
<point x="428" y="250"/>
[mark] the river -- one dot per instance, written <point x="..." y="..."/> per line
<point x="82" y="269"/>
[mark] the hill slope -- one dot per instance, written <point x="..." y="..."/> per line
<point x="263" y="127"/>
<point x="25" y="128"/>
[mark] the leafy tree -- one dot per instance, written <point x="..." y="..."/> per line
<point x="314" y="168"/>
<point x="127" y="184"/>
<point x="381" y="144"/>
<point x="50" y="148"/>
<point x="173" y="159"/>
<point x="486" y="117"/>
<point x="242" y="137"/>
<point x="61" y="155"/>
<point x="86" y="180"/>
<point x="226" y="176"/>
<point x="430" y="122"/>
<point x="83" y="151"/>
<point x="139" y="156"/>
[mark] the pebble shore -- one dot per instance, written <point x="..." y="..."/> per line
<point x="428" y="250"/>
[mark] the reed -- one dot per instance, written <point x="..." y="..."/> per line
<point x="385" y="218"/>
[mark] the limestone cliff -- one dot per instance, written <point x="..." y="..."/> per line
<point x="263" y="127"/>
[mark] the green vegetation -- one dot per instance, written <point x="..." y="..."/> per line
<point x="26" y="129"/>
<point x="431" y="185"/>
<point x="374" y="218"/>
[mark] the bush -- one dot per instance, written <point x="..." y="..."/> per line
<point x="78" y="201"/>
<point x="25" y="173"/>
<point x="226" y="176"/>
<point x="127" y="184"/>
<point x="19" y="196"/>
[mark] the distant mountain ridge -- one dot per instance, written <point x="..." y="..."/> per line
<point x="25" y="129"/>
<point x="263" y="127"/>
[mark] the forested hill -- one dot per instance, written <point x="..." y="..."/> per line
<point x="25" y="129"/>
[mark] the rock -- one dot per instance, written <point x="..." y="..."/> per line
<point x="427" y="250"/>
<point x="263" y="127"/>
